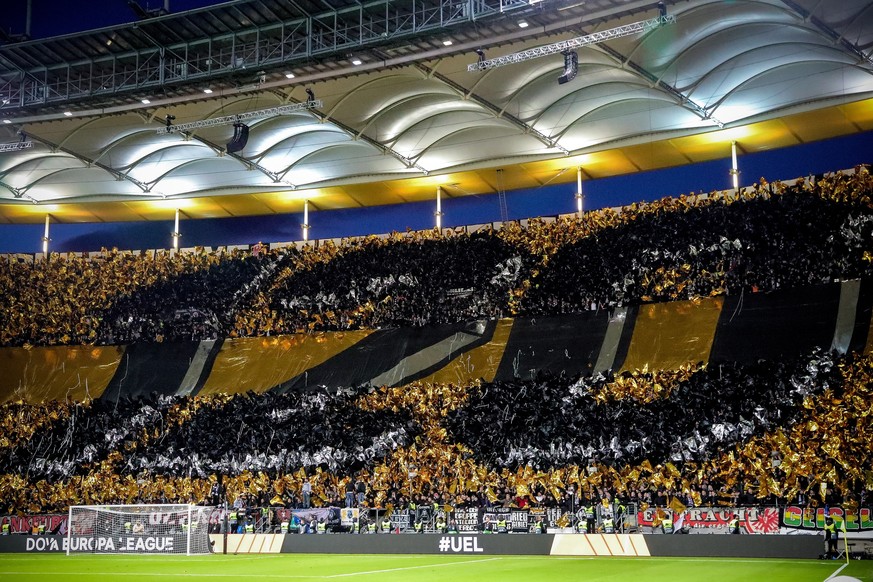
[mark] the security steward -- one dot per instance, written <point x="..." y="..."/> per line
<point x="590" y="518"/>
<point x="667" y="523"/>
<point x="831" y="535"/>
<point x="440" y="524"/>
<point x="386" y="525"/>
<point x="501" y="525"/>
<point x="734" y="525"/>
<point x="233" y="520"/>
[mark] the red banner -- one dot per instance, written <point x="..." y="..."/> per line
<point x="54" y="524"/>
<point x="752" y="519"/>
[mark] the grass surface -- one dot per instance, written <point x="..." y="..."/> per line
<point x="85" y="568"/>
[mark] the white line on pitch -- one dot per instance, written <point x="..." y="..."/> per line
<point x="169" y="575"/>
<point x="270" y="576"/>
<point x="834" y="575"/>
<point x="664" y="558"/>
<point x="410" y="568"/>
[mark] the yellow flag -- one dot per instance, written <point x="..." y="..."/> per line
<point x="676" y="505"/>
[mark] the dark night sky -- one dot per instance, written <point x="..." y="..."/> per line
<point x="55" y="17"/>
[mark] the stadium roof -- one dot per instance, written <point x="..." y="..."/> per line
<point x="410" y="117"/>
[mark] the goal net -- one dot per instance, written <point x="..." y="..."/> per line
<point x="138" y="529"/>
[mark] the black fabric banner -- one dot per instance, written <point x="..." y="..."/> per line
<point x="150" y="367"/>
<point x="375" y="357"/>
<point x="757" y="326"/>
<point x="564" y="343"/>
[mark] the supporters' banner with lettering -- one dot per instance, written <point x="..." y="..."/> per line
<point x="752" y="519"/>
<point x="557" y="517"/>
<point x="53" y="523"/>
<point x="401" y="520"/>
<point x="349" y="516"/>
<point x="467" y="518"/>
<point x="216" y="516"/>
<point x="520" y="520"/>
<point x="809" y="519"/>
<point x="517" y="519"/>
<point x="424" y="513"/>
<point x="331" y="515"/>
<point x="535" y="514"/>
<point x="57" y="523"/>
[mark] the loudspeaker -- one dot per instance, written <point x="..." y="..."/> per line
<point x="571" y="67"/>
<point x="239" y="139"/>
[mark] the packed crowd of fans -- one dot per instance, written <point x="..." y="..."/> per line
<point x="774" y="431"/>
<point x="554" y="422"/>
<point x="703" y="435"/>
<point x="122" y="297"/>
<point x="789" y="240"/>
<point x="766" y="238"/>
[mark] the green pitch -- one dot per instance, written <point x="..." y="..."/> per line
<point x="87" y="568"/>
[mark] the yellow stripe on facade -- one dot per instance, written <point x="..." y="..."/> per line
<point x="259" y="364"/>
<point x="481" y="362"/>
<point x="36" y="375"/>
<point x="667" y="336"/>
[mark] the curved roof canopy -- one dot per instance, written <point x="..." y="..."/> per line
<point x="766" y="73"/>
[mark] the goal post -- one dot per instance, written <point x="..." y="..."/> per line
<point x="138" y="529"/>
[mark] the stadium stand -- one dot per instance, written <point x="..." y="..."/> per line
<point x="683" y="404"/>
<point x="605" y="371"/>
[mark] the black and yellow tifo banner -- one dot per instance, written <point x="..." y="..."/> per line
<point x="736" y="328"/>
<point x="36" y="375"/>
